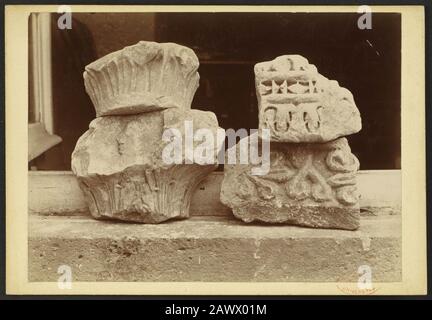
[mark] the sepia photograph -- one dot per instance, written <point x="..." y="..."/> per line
<point x="218" y="151"/>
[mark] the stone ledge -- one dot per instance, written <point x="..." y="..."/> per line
<point x="57" y="193"/>
<point x="211" y="249"/>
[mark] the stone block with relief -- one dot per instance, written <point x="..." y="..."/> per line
<point x="312" y="185"/>
<point x="120" y="166"/>
<point x="297" y="104"/>
<point x="143" y="77"/>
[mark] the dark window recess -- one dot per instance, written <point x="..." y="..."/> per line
<point x="367" y="62"/>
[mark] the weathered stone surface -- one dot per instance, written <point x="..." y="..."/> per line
<point x="298" y="104"/>
<point x="119" y="166"/>
<point x="144" y="77"/>
<point x="310" y="185"/>
<point x="212" y="249"/>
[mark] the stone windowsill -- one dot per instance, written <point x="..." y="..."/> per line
<point x="211" y="249"/>
<point x="211" y="245"/>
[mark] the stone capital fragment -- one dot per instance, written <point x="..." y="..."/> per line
<point x="143" y="77"/>
<point x="312" y="185"/>
<point x="120" y="166"/>
<point x="297" y="104"/>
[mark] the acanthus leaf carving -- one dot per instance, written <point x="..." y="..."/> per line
<point x="301" y="181"/>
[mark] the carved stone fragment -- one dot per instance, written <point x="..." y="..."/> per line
<point x="312" y="177"/>
<point x="143" y="77"/>
<point x="297" y="104"/>
<point x="119" y="166"/>
<point x="311" y="185"/>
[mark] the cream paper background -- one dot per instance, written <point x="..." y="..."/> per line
<point x="413" y="165"/>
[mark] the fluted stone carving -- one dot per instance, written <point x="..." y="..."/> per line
<point x="119" y="165"/>
<point x="312" y="177"/>
<point x="140" y="92"/>
<point x="143" y="77"/>
<point x="297" y="104"/>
